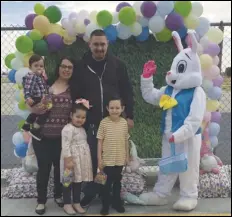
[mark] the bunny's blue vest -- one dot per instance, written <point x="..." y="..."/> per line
<point x="180" y="111"/>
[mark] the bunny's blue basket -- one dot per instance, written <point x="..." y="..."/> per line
<point x="174" y="163"/>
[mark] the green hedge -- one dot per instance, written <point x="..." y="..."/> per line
<point x="146" y="133"/>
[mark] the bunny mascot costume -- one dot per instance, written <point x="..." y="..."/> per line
<point x="184" y="104"/>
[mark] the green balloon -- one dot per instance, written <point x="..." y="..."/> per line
<point x="20" y="124"/>
<point x="104" y="18"/>
<point x="22" y="105"/>
<point x="41" y="48"/>
<point x="8" y="59"/>
<point x="35" y="35"/>
<point x="165" y="35"/>
<point x="24" y="44"/>
<point x="53" y="14"/>
<point x="183" y="8"/>
<point x="127" y="16"/>
<point x="39" y="9"/>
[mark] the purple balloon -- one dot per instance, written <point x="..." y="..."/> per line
<point x="212" y="49"/>
<point x="86" y="22"/>
<point x="55" y="42"/>
<point x="216" y="117"/>
<point x="29" y="20"/>
<point x="122" y="5"/>
<point x="217" y="82"/>
<point x="174" y="21"/>
<point x="148" y="9"/>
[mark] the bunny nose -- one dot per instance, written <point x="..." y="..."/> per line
<point x="169" y="73"/>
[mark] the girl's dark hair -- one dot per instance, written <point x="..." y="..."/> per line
<point x="76" y="107"/>
<point x="115" y="97"/>
<point x="34" y="58"/>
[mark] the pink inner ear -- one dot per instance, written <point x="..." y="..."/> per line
<point x="176" y="42"/>
<point x="189" y="41"/>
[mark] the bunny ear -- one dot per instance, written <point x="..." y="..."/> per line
<point x="177" y="41"/>
<point x="192" y="41"/>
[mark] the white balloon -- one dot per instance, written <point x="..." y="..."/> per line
<point x="165" y="7"/>
<point x="86" y="38"/>
<point x="197" y="9"/>
<point x="204" y="41"/>
<point x="136" y="29"/>
<point x="82" y="15"/>
<point x="65" y="23"/>
<point x="124" y="32"/>
<point x="216" y="60"/>
<point x="72" y="22"/>
<point x="20" y="74"/>
<point x="23" y="114"/>
<point x="16" y="64"/>
<point x="90" y="28"/>
<point x="137" y="6"/>
<point x="71" y="31"/>
<point x="19" y="55"/>
<point x="207" y="84"/>
<point x="203" y="26"/>
<point x="143" y="21"/>
<point x="17" y="138"/>
<point x="156" y="24"/>
<point x="115" y="18"/>
<point x="73" y="15"/>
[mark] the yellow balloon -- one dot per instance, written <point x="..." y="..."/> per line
<point x="41" y="23"/>
<point x="26" y="59"/>
<point x="68" y="37"/>
<point x="93" y="16"/>
<point x="54" y="28"/>
<point x="80" y="28"/>
<point x="191" y="22"/>
<point x="212" y="105"/>
<point x="39" y="8"/>
<point x="67" y="42"/>
<point x="206" y="61"/>
<point x="215" y="35"/>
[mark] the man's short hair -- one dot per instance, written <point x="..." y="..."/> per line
<point x="97" y="32"/>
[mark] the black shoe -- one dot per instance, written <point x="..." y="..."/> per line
<point x="119" y="209"/>
<point x="59" y="202"/>
<point x="104" y="211"/>
<point x="87" y="200"/>
<point x="26" y="127"/>
<point x="36" y="133"/>
<point x="40" y="209"/>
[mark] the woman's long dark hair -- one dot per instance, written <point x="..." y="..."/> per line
<point x="56" y="75"/>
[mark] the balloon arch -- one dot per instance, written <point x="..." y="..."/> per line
<point x="49" y="32"/>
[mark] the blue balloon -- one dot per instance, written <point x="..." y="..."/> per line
<point x="11" y="76"/>
<point x="214" y="129"/>
<point x="213" y="141"/>
<point x="215" y="93"/>
<point x="111" y="33"/>
<point x="144" y="34"/>
<point x="182" y="32"/>
<point x="17" y="95"/>
<point x="21" y="150"/>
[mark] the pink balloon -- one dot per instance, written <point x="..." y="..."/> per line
<point x="26" y="137"/>
<point x="212" y="73"/>
<point x="207" y="117"/>
<point x="218" y="81"/>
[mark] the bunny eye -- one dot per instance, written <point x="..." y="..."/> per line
<point x="181" y="66"/>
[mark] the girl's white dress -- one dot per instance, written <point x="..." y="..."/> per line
<point x="74" y="144"/>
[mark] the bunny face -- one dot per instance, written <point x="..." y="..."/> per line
<point x="185" y="71"/>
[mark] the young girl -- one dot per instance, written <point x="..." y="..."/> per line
<point x="113" y="153"/>
<point x="75" y="157"/>
<point x="35" y="90"/>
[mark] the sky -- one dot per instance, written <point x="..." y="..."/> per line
<point x="13" y="13"/>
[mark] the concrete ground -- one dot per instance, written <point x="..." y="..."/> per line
<point x="25" y="207"/>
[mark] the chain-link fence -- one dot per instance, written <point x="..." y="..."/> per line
<point x="9" y="120"/>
